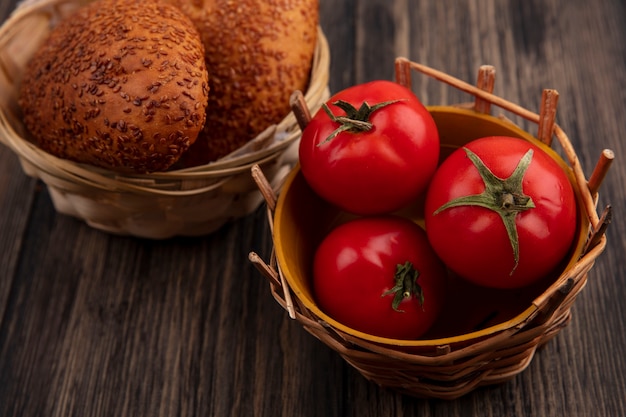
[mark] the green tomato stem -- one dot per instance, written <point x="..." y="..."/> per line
<point x="502" y="195"/>
<point x="355" y="120"/>
<point x="406" y="286"/>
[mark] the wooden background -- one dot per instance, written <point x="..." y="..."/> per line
<point x="99" y="325"/>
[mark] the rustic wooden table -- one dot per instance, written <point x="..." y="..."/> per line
<point x="98" y="325"/>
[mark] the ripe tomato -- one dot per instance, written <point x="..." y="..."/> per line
<point x="371" y="149"/>
<point x="509" y="223"/>
<point x="380" y="276"/>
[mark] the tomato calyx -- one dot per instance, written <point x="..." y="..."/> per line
<point x="355" y="120"/>
<point x="406" y="286"/>
<point x="502" y="195"/>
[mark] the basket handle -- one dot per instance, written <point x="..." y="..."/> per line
<point x="486" y="82"/>
<point x="403" y="69"/>
<point x="271" y="271"/>
<point x="300" y="109"/>
<point x="547" y="115"/>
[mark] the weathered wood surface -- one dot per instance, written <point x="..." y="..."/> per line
<point x="99" y="325"/>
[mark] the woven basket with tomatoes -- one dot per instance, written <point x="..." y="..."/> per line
<point x="434" y="248"/>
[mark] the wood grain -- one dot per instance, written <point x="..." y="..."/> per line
<point x="99" y="325"/>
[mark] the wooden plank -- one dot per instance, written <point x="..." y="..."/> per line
<point x="16" y="198"/>
<point x="338" y="22"/>
<point x="382" y="30"/>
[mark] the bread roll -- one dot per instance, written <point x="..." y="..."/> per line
<point x="257" y="53"/>
<point x="120" y="85"/>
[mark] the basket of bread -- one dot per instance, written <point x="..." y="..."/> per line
<point x="143" y="118"/>
<point x="450" y="244"/>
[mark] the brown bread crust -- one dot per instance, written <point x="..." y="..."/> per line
<point x="120" y="85"/>
<point x="257" y="53"/>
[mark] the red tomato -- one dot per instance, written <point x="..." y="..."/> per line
<point x="508" y="229"/>
<point x="375" y="154"/>
<point x="380" y="276"/>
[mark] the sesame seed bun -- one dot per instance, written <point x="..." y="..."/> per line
<point x="121" y="84"/>
<point x="257" y="53"/>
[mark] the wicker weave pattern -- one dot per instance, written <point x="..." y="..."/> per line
<point x="450" y="368"/>
<point x="446" y="371"/>
<point x="193" y="201"/>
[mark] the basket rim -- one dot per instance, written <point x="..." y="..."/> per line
<point x="518" y="321"/>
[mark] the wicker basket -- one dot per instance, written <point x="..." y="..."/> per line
<point x="185" y="202"/>
<point x="451" y="366"/>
